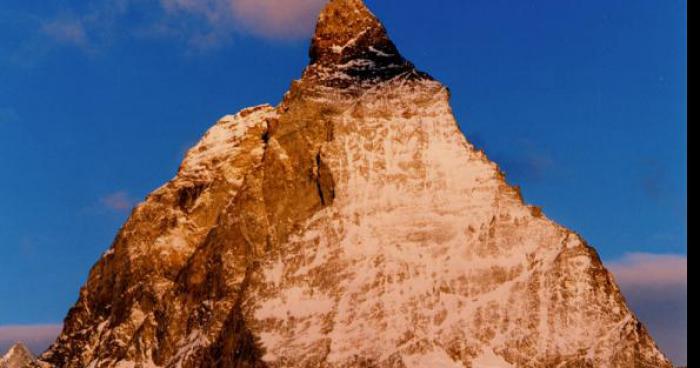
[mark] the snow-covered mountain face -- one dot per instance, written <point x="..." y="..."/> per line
<point x="18" y="356"/>
<point x="353" y="225"/>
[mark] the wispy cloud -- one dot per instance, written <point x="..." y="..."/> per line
<point x="211" y="23"/>
<point x="280" y="19"/>
<point x="200" y="24"/>
<point x="656" y="287"/>
<point x="651" y="270"/>
<point x="119" y="201"/>
<point x="68" y="31"/>
<point x="36" y="337"/>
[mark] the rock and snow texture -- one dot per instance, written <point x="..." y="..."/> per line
<point x="18" y="356"/>
<point x="353" y="225"/>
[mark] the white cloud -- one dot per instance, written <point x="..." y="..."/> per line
<point x="36" y="337"/>
<point x="215" y="21"/>
<point x="282" y="19"/>
<point x="198" y="24"/>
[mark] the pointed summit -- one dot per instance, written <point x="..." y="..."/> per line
<point x="352" y="47"/>
<point x="341" y="24"/>
<point x="351" y="226"/>
<point x="18" y="356"/>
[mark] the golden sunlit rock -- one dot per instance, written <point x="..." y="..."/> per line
<point x="353" y="225"/>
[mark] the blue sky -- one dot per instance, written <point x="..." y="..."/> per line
<point x="583" y="103"/>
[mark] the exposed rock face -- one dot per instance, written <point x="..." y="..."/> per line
<point x="352" y="51"/>
<point x="18" y="356"/>
<point x="351" y="226"/>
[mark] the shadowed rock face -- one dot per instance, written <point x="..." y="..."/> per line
<point x="351" y="49"/>
<point x="353" y="225"/>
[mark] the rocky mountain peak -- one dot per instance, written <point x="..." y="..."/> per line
<point x="352" y="47"/>
<point x="351" y="226"/>
<point x="19" y="356"/>
<point x="341" y="22"/>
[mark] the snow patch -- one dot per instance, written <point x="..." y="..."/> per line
<point x="488" y="359"/>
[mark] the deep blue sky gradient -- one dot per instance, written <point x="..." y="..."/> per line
<point x="583" y="103"/>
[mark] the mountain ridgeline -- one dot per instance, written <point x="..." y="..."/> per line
<point x="352" y="225"/>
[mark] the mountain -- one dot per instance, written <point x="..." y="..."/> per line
<point x="18" y="356"/>
<point x="353" y="225"/>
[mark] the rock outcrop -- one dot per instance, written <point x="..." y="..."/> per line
<point x="353" y="225"/>
<point x="19" y="356"/>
